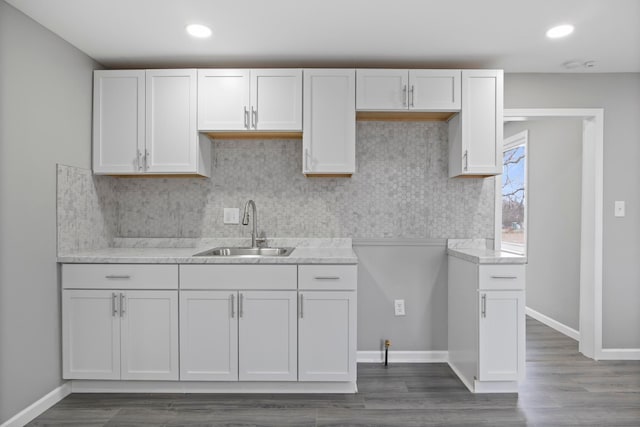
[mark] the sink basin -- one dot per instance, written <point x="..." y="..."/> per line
<point x="246" y="252"/>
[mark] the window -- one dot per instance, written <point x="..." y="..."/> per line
<point x="514" y="194"/>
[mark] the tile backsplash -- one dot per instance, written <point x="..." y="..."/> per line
<point x="400" y="190"/>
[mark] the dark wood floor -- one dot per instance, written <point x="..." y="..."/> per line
<point x="562" y="388"/>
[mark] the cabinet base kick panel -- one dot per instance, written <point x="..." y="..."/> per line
<point x="90" y="386"/>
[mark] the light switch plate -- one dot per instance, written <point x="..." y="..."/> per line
<point x="399" y="307"/>
<point x="231" y="216"/>
<point x="619" y="208"/>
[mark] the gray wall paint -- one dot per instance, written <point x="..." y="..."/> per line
<point x="45" y="118"/>
<point x="554" y="197"/>
<point x="415" y="273"/>
<point x="619" y="95"/>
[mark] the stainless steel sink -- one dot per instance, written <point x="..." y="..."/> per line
<point x="246" y="252"/>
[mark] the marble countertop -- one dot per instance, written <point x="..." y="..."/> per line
<point x="146" y="251"/>
<point x="476" y="251"/>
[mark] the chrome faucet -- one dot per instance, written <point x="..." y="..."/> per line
<point x="245" y="221"/>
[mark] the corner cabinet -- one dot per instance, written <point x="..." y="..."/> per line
<point x="144" y="122"/>
<point x="413" y="90"/>
<point x="487" y="324"/>
<point x="329" y="131"/>
<point x="475" y="134"/>
<point x="250" y="100"/>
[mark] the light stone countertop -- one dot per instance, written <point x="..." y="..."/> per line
<point x="476" y="251"/>
<point x="144" y="251"/>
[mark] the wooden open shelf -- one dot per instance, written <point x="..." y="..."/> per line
<point x="254" y="135"/>
<point x="405" y="116"/>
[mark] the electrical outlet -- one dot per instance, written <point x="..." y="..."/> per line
<point x="231" y="216"/>
<point x="399" y="307"/>
<point x="618" y="209"/>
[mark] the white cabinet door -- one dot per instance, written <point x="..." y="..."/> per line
<point x="384" y="90"/>
<point x="434" y="90"/>
<point x="223" y="99"/>
<point x="149" y="335"/>
<point x="118" y="121"/>
<point x="327" y="336"/>
<point x="171" y="132"/>
<point x="501" y="335"/>
<point x="208" y="335"/>
<point x="276" y="99"/>
<point x="329" y="136"/>
<point x="90" y="335"/>
<point x="268" y="336"/>
<point x="475" y="135"/>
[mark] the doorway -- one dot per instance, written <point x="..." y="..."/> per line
<point x="591" y="219"/>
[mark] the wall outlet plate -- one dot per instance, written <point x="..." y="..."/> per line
<point x="398" y="305"/>
<point x="619" y="208"/>
<point x="231" y="216"/>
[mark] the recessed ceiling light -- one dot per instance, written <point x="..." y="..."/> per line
<point x="198" y="30"/>
<point x="559" y="31"/>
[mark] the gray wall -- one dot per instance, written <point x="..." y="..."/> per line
<point x="619" y="95"/>
<point x="45" y="118"/>
<point x="553" y="221"/>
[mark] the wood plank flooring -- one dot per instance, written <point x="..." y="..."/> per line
<point x="562" y="388"/>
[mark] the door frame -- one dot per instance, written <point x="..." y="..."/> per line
<point x="592" y="217"/>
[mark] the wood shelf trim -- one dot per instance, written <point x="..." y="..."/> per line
<point x="405" y="116"/>
<point x="328" y="175"/>
<point x="254" y="135"/>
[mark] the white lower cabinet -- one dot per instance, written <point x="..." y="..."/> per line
<point x="487" y="324"/>
<point x="116" y="334"/>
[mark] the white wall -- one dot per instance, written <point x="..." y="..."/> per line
<point x="619" y="95"/>
<point x="553" y="216"/>
<point x="45" y="118"/>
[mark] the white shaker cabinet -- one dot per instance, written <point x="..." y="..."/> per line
<point x="327" y="322"/>
<point x="402" y="90"/>
<point x="115" y="334"/>
<point x="250" y="100"/>
<point x="329" y="134"/>
<point x="487" y="324"/>
<point x="475" y="134"/>
<point x="144" y="122"/>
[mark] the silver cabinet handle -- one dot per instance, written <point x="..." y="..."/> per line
<point x="114" y="309"/>
<point x="301" y="306"/>
<point x="139" y="159"/>
<point x="466" y="159"/>
<point x="327" y="278"/>
<point x="122" y="299"/>
<point x="246" y="117"/>
<point x="504" y="277"/>
<point x="233" y="313"/>
<point x="146" y="159"/>
<point x="254" y="117"/>
<point x="411" y="94"/>
<point x="241" y="305"/>
<point x="306" y="160"/>
<point x="117" y="276"/>
<point x="404" y="95"/>
<point x="484" y="305"/>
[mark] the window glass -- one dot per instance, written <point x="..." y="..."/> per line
<point x="514" y="233"/>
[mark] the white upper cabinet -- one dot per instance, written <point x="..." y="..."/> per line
<point x="402" y="90"/>
<point x="144" y="122"/>
<point x="118" y="121"/>
<point x="171" y="135"/>
<point x="250" y="100"/>
<point x="329" y="136"/>
<point x="475" y="135"/>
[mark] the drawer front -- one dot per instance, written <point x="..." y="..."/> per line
<point x="239" y="277"/>
<point x="119" y="276"/>
<point x="328" y="277"/>
<point x="502" y="276"/>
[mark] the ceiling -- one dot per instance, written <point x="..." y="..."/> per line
<point x="507" y="34"/>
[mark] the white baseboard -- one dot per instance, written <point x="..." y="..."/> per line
<point x="620" y="354"/>
<point x="553" y="324"/>
<point x="38" y="407"/>
<point x="404" y="356"/>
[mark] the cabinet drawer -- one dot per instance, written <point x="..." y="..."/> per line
<point x="328" y="277"/>
<point x="119" y="276"/>
<point x="501" y="277"/>
<point x="245" y="277"/>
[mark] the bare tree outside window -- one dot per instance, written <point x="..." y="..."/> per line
<point x="514" y="198"/>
